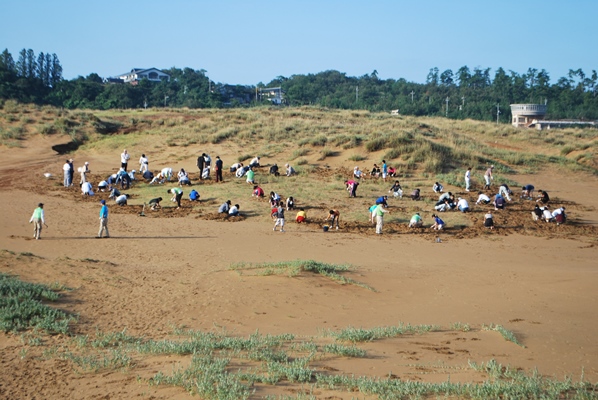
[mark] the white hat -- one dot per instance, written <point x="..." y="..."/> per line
<point x="86" y="162"/>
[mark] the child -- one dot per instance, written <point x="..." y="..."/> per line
<point x="438" y="223"/>
<point x="334" y="216"/>
<point x="279" y="217"/>
<point x="301" y="216"/>
<point x="396" y="190"/>
<point x="194" y="196"/>
<point x="437" y="188"/>
<point x="488" y="220"/>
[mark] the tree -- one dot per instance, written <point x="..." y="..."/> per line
<point x="446" y="78"/>
<point x="432" y="78"/>
<point x="56" y="71"/>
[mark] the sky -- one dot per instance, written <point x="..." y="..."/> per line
<point x="249" y="42"/>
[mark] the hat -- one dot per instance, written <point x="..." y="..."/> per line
<point x="40" y="205"/>
<point x="102" y="201"/>
<point x="86" y="162"/>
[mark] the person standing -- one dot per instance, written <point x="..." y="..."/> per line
<point x="218" y="168"/>
<point x="38" y="220"/>
<point x="84" y="170"/>
<point x="143" y="164"/>
<point x="380" y="211"/>
<point x="488" y="177"/>
<point x="468" y="179"/>
<point x="66" y="168"/>
<point x="279" y="217"/>
<point x="124" y="159"/>
<point x="200" y="164"/>
<point x="384" y="170"/>
<point x="103" y="219"/>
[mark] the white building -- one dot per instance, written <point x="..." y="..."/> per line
<point x="137" y="74"/>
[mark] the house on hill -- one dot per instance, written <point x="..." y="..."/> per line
<point x="137" y="74"/>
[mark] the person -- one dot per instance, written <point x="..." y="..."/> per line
<point x="384" y="170"/>
<point x="257" y="191"/>
<point x="527" y="192"/>
<point x="234" y="210"/>
<point x="143" y="164"/>
<point x="451" y="202"/>
<point x="415" y="195"/>
<point x="218" y="168"/>
<point x="71" y="171"/>
<point x="543" y="197"/>
<point x="380" y="211"/>
<point x="255" y="162"/>
<point x="468" y="179"/>
<point x="103" y="186"/>
<point x="396" y="190"/>
<point x="114" y="193"/>
<point x="66" y="168"/>
<point x="438" y="223"/>
<point x="382" y="200"/>
<point x="537" y="212"/>
<point x="274" y="170"/>
<point x="83" y="172"/>
<point x="38" y="219"/>
<point x="352" y="187"/>
<point x="392" y="171"/>
<point x="301" y="216"/>
<point x="463" y="205"/>
<point x="124" y="159"/>
<point x="167" y="173"/>
<point x="375" y="173"/>
<point x="334" y="216"/>
<point x="86" y="189"/>
<point x="274" y="199"/>
<point x="242" y="171"/>
<point x="290" y="170"/>
<point x="505" y="191"/>
<point x="103" y="219"/>
<point x="177" y="195"/>
<point x="445" y="196"/>
<point x="193" y="195"/>
<point x="442" y="205"/>
<point x="483" y="198"/>
<point x="559" y="215"/>
<point x="236" y="166"/>
<point x="207" y="160"/>
<point x="488" y="177"/>
<point x="416" y="221"/>
<point x="357" y="173"/>
<point x="437" y="187"/>
<point x="546" y="215"/>
<point x="499" y="202"/>
<point x="290" y="203"/>
<point x="279" y="217"/>
<point x="183" y="177"/>
<point x="148" y="175"/>
<point x="200" y="164"/>
<point x="155" y="203"/>
<point x="225" y="207"/>
<point x="124" y="179"/>
<point x="122" y="199"/>
<point x="158" y="179"/>
<point x="250" y="176"/>
<point x="372" y="211"/>
<point x="488" y="220"/>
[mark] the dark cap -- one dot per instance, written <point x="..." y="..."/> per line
<point x="40" y="205"/>
<point x="102" y="201"/>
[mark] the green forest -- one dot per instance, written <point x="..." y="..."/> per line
<point x="465" y="93"/>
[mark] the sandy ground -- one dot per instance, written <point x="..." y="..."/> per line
<point x="538" y="282"/>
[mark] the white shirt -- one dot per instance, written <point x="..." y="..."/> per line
<point x="233" y="210"/>
<point x="546" y="214"/>
<point x="255" y="161"/>
<point x="143" y="160"/>
<point x="467" y="174"/>
<point x="462" y="204"/>
<point x="124" y="157"/>
<point x="121" y="199"/>
<point x="86" y="188"/>
<point x="166" y="172"/>
<point x="66" y="167"/>
<point x="557" y="212"/>
<point x="482" y="197"/>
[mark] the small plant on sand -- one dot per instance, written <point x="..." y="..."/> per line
<point x="505" y="333"/>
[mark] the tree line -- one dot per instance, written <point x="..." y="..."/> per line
<point x="465" y="93"/>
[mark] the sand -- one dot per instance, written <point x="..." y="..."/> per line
<point x="538" y="281"/>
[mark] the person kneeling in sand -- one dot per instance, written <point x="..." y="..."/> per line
<point x="301" y="216"/>
<point x="416" y="221"/>
<point x="438" y="223"/>
<point x="155" y="203"/>
<point x="488" y="220"/>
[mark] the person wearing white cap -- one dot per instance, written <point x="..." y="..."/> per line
<point x="103" y="219"/>
<point x="84" y="170"/>
<point x="38" y="220"/>
<point x="357" y="173"/>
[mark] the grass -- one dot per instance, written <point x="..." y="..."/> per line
<point x="22" y="307"/>
<point x="505" y="333"/>
<point x="296" y="267"/>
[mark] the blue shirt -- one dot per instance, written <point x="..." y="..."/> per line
<point x="104" y="211"/>
<point x="438" y="221"/>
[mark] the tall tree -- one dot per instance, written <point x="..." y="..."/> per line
<point x="56" y="73"/>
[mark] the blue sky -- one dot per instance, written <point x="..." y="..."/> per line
<point x="247" y="42"/>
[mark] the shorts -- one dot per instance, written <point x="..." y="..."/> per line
<point x="300" y="219"/>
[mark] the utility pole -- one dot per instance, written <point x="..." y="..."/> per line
<point x="165" y="98"/>
<point x="497" y="112"/>
<point x="412" y="93"/>
<point x="447" y="100"/>
<point x="357" y="94"/>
